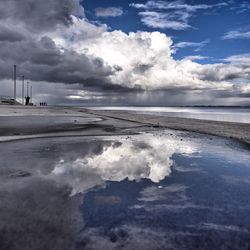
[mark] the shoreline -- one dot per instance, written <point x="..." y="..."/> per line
<point x="236" y="131"/>
<point x="73" y="121"/>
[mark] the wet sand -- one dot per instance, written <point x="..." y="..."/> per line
<point x="26" y="122"/>
<point x="237" y="131"/>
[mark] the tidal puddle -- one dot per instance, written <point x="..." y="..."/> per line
<point x="156" y="190"/>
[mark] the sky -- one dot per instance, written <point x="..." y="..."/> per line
<point x="127" y="52"/>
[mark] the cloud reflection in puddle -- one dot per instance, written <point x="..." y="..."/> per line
<point x="148" y="156"/>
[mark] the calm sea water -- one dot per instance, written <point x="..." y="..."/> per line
<point x="215" y="114"/>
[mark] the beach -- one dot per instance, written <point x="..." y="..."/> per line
<point x="20" y="122"/>
<point x="124" y="125"/>
<point x="232" y="130"/>
<point x="75" y="178"/>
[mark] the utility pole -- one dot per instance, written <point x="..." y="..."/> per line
<point x="31" y="93"/>
<point x="15" y="82"/>
<point x="28" y="89"/>
<point x="23" y="90"/>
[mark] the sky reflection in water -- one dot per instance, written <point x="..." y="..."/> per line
<point x="162" y="190"/>
<point x="156" y="190"/>
<point x="146" y="156"/>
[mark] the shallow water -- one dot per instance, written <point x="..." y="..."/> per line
<point x="215" y="114"/>
<point x="156" y="190"/>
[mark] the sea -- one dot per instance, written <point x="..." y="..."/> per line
<point x="226" y="114"/>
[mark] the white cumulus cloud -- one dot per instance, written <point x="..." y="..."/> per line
<point x="145" y="60"/>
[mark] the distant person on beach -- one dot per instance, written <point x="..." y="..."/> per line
<point x="27" y="100"/>
<point x="43" y="104"/>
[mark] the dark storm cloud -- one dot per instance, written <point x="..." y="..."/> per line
<point x="24" y="41"/>
<point x="7" y="34"/>
<point x="224" y="72"/>
<point x="38" y="14"/>
<point x="233" y="92"/>
<point x="43" y="61"/>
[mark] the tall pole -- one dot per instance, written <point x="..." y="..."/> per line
<point x="27" y="88"/>
<point x="31" y="93"/>
<point x="15" y="82"/>
<point x="23" y="90"/>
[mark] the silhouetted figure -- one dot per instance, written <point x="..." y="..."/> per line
<point x="43" y="104"/>
<point x="27" y="100"/>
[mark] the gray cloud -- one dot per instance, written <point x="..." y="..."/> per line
<point x="43" y="61"/>
<point x="224" y="72"/>
<point x="9" y="35"/>
<point x="109" y="12"/>
<point x="238" y="59"/>
<point x="24" y="40"/>
<point x="41" y="15"/>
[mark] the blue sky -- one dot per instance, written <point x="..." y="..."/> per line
<point x="207" y="26"/>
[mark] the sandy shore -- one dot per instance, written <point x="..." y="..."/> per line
<point x="18" y="122"/>
<point x="237" y="131"/>
<point x="26" y="122"/>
